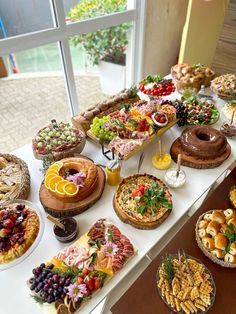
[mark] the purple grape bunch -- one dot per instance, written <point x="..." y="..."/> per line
<point x="48" y="284"/>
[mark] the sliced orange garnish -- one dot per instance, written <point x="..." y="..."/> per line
<point x="56" y="166"/>
<point x="71" y="189"/>
<point x="48" y="178"/>
<point x="53" y="181"/>
<point x="59" y="188"/>
<point x="50" y="171"/>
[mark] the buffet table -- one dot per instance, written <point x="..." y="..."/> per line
<point x="224" y="277"/>
<point x="15" y="295"/>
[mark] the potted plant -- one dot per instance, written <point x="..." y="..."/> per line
<point x="105" y="47"/>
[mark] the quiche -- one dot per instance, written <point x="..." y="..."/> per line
<point x="19" y="227"/>
<point x="142" y="201"/>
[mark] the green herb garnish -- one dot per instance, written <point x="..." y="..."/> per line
<point x="231" y="236"/>
<point x="38" y="299"/>
<point x="152" y="199"/>
<point x="133" y="122"/>
<point x="119" y="123"/>
<point x="168" y="268"/>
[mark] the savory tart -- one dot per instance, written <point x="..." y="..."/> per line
<point x="216" y="236"/>
<point x="142" y="201"/>
<point x="185" y="284"/>
<point x="19" y="227"/>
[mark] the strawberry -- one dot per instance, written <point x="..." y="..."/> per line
<point x="97" y="283"/>
<point x="80" y="280"/>
<point x="162" y="120"/>
<point x="8" y="223"/>
<point x="84" y="272"/>
<point x="4" y="232"/>
<point x="90" y="283"/>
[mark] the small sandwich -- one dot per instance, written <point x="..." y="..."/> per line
<point x="217" y="253"/>
<point x="229" y="258"/>
<point x="230" y="213"/>
<point x="213" y="228"/>
<point x="232" y="221"/>
<point x="207" y="217"/>
<point x="220" y="241"/>
<point x="203" y="224"/>
<point x="208" y="243"/>
<point x="232" y="249"/>
<point x="218" y="216"/>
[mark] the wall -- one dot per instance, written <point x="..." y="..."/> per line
<point x="225" y="56"/>
<point x="164" y="25"/>
<point x="24" y="16"/>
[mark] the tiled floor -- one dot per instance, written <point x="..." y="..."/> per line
<point x="27" y="104"/>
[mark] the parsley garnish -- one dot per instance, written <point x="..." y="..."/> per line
<point x="231" y="236"/>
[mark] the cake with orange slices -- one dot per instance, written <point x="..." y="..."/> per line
<point x="71" y="179"/>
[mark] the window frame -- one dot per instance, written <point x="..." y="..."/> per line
<point x="62" y="32"/>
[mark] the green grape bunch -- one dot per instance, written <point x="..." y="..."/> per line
<point x="100" y="128"/>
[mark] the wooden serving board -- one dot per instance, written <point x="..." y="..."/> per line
<point x="160" y="132"/>
<point x="59" y="208"/>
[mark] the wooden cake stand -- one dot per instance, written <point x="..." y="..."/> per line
<point x="59" y="208"/>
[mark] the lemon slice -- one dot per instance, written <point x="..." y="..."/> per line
<point x="70" y="189"/>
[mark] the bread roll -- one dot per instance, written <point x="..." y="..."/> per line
<point x="229" y="258"/>
<point x="202" y="232"/>
<point x="232" y="249"/>
<point x="232" y="221"/>
<point x="223" y="228"/>
<point x="213" y="228"/>
<point x="217" y="253"/>
<point x="230" y="213"/>
<point x="218" y="216"/>
<point x="203" y="224"/>
<point x="220" y="241"/>
<point x="208" y="243"/>
<point x="207" y="217"/>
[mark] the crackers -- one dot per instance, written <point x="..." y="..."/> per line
<point x="190" y="290"/>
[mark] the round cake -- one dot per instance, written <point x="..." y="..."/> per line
<point x="201" y="147"/>
<point x="19" y="227"/>
<point x="142" y="201"/>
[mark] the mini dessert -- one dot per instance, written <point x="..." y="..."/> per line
<point x="232" y="198"/>
<point x="201" y="147"/>
<point x="161" y="162"/>
<point x="225" y="86"/>
<point x="156" y="86"/>
<point x="59" y="139"/>
<point x="216" y="236"/>
<point x="228" y="130"/>
<point x="186" y="76"/>
<point x="73" y="275"/>
<point x="160" y="119"/>
<point x="19" y="227"/>
<point x="185" y="284"/>
<point x="175" y="179"/>
<point x="14" y="178"/>
<point x="229" y="110"/>
<point x="69" y="233"/>
<point x="142" y="201"/>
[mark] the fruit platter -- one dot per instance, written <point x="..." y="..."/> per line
<point x="128" y="130"/>
<point x="70" y="279"/>
<point x="71" y="186"/>
<point x="193" y="111"/>
<point x="142" y="201"/>
<point x="21" y="228"/>
<point x="185" y="284"/>
<point x="58" y="140"/>
<point x="216" y="236"/>
<point x="14" y="178"/>
<point x="156" y="86"/>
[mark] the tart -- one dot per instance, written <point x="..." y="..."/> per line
<point x="14" y="178"/>
<point x="59" y="140"/>
<point x="216" y="236"/>
<point x="142" y="201"/>
<point x="19" y="227"/>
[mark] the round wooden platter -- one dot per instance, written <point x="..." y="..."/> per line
<point x="58" y="208"/>
<point x="193" y="162"/>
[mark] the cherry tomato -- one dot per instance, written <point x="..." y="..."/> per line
<point x="90" y="283"/>
<point x="97" y="283"/>
<point x="80" y="280"/>
<point x="84" y="272"/>
<point x="141" y="188"/>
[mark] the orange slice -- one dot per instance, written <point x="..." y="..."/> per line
<point x="71" y="189"/>
<point x="50" y="171"/>
<point x="53" y="181"/>
<point x="56" y="166"/>
<point x="48" y="178"/>
<point x="59" y="188"/>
